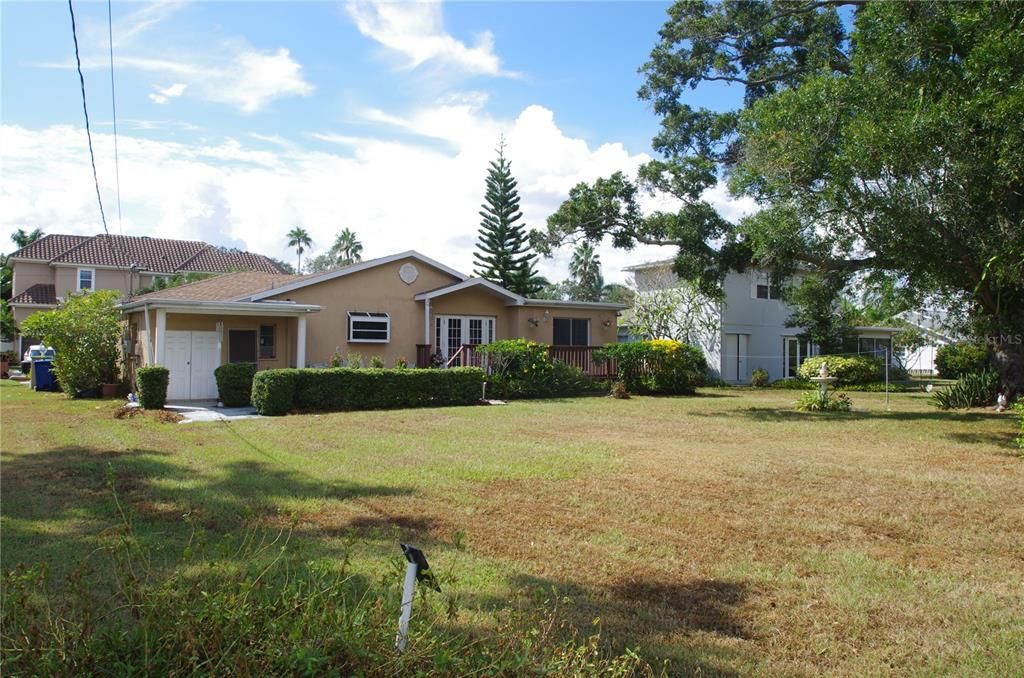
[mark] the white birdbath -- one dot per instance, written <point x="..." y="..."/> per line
<point x="823" y="380"/>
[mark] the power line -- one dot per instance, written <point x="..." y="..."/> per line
<point x="85" y="110"/>
<point x="113" y="108"/>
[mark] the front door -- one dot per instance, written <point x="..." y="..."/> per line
<point x="452" y="331"/>
<point x="191" y="358"/>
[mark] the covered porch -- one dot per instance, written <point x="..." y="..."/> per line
<point x="193" y="338"/>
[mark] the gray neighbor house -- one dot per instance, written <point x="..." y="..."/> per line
<point x="747" y="330"/>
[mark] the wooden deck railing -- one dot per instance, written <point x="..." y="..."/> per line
<point x="577" y="356"/>
<point x="583" y="358"/>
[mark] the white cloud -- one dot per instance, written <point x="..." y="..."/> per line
<point x="415" y="31"/>
<point x="163" y="94"/>
<point x="395" y="194"/>
<point x="240" y="76"/>
<point x="231" y="72"/>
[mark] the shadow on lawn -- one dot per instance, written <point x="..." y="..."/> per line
<point x="777" y="414"/>
<point x="57" y="502"/>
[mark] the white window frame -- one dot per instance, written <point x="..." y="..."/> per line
<point x="489" y="326"/>
<point x="762" y="278"/>
<point x="92" y="280"/>
<point x="369" y="316"/>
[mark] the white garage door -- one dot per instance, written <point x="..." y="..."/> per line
<point x="191" y="358"/>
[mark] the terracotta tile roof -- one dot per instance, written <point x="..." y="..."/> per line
<point x="227" y="287"/>
<point x="160" y="255"/>
<point x="50" y="246"/>
<point x="37" y="294"/>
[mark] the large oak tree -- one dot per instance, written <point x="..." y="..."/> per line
<point x="883" y="140"/>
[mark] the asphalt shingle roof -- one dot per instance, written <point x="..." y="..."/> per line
<point x="37" y="294"/>
<point x="160" y="255"/>
<point x="227" y="287"/>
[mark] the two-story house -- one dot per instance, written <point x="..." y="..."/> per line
<point x="751" y="331"/>
<point x="56" y="265"/>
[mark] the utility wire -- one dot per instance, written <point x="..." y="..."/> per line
<point x="85" y="110"/>
<point x="113" y="108"/>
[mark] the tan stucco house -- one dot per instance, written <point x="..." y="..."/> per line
<point x="404" y="306"/>
<point x="56" y="265"/>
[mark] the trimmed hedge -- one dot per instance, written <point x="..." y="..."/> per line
<point x="854" y="369"/>
<point x="153" y="386"/>
<point x="234" y="383"/>
<point x="273" y="391"/>
<point x="276" y="392"/>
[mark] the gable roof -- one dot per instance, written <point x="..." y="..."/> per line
<point x="40" y="294"/>
<point x="317" y="278"/>
<point x="508" y="295"/>
<point x="158" y="255"/>
<point x="227" y="287"/>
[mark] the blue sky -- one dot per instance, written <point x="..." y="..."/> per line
<point x="240" y="120"/>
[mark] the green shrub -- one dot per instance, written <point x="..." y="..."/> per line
<point x="759" y="377"/>
<point x="793" y="384"/>
<point x="878" y="387"/>
<point x="152" y="382"/>
<point x="816" y="401"/>
<point x="855" y="369"/>
<point x="523" y="369"/>
<point x="336" y="389"/>
<point x="659" y="366"/>
<point x="976" y="389"/>
<point x="273" y="391"/>
<point x="963" y="357"/>
<point x="85" y="332"/>
<point x="377" y="362"/>
<point x="234" y="383"/>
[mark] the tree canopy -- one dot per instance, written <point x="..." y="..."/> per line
<point x="882" y="141"/>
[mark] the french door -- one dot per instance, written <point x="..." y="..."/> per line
<point x="452" y="331"/>
<point x="734" y="357"/>
<point x="794" y="352"/>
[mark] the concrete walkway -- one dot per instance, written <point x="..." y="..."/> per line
<point x="193" y="411"/>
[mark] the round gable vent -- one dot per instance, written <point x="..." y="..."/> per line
<point x="408" y="273"/>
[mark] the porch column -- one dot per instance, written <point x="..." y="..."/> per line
<point x="161" y="339"/>
<point x="300" y="341"/>
<point x="426" y="321"/>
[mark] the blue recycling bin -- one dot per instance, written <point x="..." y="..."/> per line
<point x="43" y="378"/>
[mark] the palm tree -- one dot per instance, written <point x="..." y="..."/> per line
<point x="585" y="271"/>
<point x="347" y="249"/>
<point x="23" y="239"/>
<point x="300" y="240"/>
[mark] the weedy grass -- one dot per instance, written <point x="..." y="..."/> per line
<point x="725" y="533"/>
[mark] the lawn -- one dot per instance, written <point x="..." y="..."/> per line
<point x="724" y="533"/>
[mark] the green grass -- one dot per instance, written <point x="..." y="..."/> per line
<point x="725" y="533"/>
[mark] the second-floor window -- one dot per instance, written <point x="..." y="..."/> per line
<point x="86" y="279"/>
<point x="764" y="288"/>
